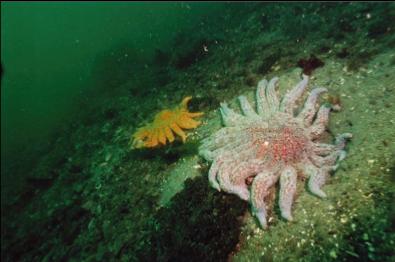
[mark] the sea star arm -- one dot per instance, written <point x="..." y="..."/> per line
<point x="317" y="178"/>
<point x="227" y="145"/>
<point x="329" y="160"/>
<point x="259" y="190"/>
<point x="207" y="154"/>
<point x="187" y="123"/>
<point x="190" y="114"/>
<point x="309" y="109"/>
<point x="230" y="117"/>
<point x="271" y="95"/>
<point x="323" y="149"/>
<point x="237" y="187"/>
<point x="161" y="136"/>
<point x="239" y="150"/>
<point x="152" y="140"/>
<point x="341" y="140"/>
<point x="246" y="107"/>
<point x="220" y="138"/>
<point x="320" y="122"/>
<point x="288" y="179"/>
<point x="178" y="131"/>
<point x="261" y="102"/>
<point x="184" y="102"/>
<point x="233" y="179"/>
<point x="169" y="134"/>
<point x="212" y="174"/>
<point x="288" y="103"/>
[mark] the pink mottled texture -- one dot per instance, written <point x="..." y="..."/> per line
<point x="271" y="144"/>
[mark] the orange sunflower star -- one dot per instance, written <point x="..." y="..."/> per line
<point x="165" y="123"/>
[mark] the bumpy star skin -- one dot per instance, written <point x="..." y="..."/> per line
<point x="271" y="144"/>
<point x="165" y="123"/>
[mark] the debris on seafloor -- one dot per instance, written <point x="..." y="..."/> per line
<point x="310" y="64"/>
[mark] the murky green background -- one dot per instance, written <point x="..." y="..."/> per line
<point x="48" y="53"/>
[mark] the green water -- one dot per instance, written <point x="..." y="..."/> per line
<point x="49" y="49"/>
<point x="80" y="78"/>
